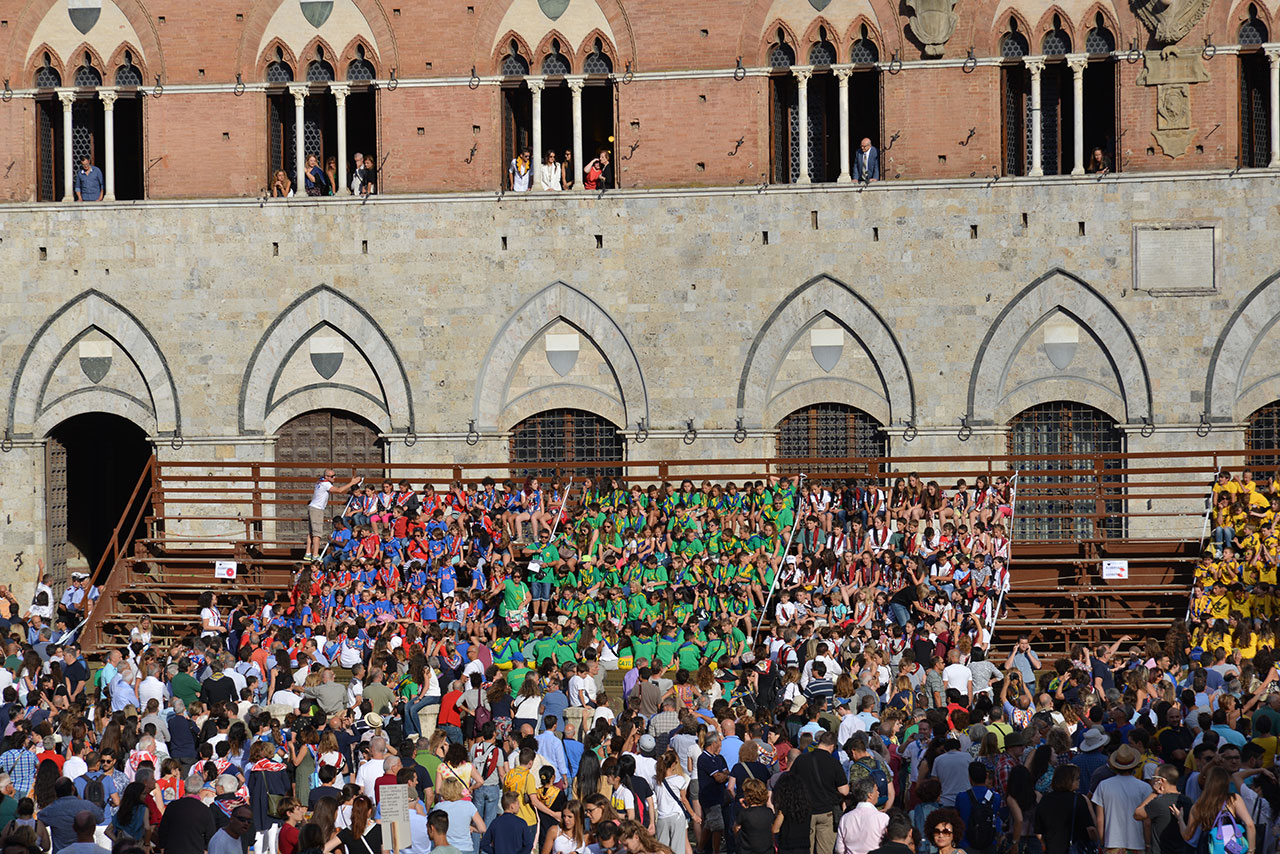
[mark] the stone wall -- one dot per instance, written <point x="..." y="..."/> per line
<point x="223" y="320"/>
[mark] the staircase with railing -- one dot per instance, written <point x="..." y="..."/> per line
<point x="184" y="516"/>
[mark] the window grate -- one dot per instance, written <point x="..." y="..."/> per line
<point x="567" y="436"/>
<point x="47" y="78"/>
<point x="360" y="70"/>
<point x="279" y="72"/>
<point x="81" y="132"/>
<point x="1252" y="32"/>
<point x="1055" y="43"/>
<point x="128" y="75"/>
<point x="1060" y="428"/>
<point x="319" y="71"/>
<point x="1263" y="433"/>
<point x="514" y="65"/>
<point x="597" y="62"/>
<point x="864" y="50"/>
<point x="555" y="63"/>
<point x="87" y="76"/>
<point x="1255" y="113"/>
<point x="822" y="53"/>
<point x="1014" y="46"/>
<point x="1100" y="41"/>
<point x="1016" y="106"/>
<point x="830" y="431"/>
<point x="782" y="56"/>
<point x="46" y="153"/>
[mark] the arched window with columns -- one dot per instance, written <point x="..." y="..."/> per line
<point x="1015" y="100"/>
<point x="784" y="112"/>
<point x="48" y="149"/>
<point x="1068" y="436"/>
<point x="1101" y="99"/>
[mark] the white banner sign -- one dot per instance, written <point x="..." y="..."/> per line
<point x="1114" y="569"/>
<point x="224" y="569"/>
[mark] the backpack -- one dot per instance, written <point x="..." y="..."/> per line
<point x="94" y="792"/>
<point x="877" y="776"/>
<point x="982" y="831"/>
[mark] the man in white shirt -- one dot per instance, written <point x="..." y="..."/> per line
<point x="957" y="676"/>
<point x="646" y="766"/>
<point x="371" y="770"/>
<point x="227" y="840"/>
<point x="317" y="510"/>
<point x="152" y="688"/>
<point x="820" y="654"/>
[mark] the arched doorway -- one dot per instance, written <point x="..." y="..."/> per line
<point x="92" y="464"/>
<point x="831" y="431"/>
<point x="567" y="436"/>
<point x="321" y="438"/>
<point x="1057" y="429"/>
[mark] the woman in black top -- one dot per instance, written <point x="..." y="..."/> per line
<point x="791" y="822"/>
<point x="364" y="836"/>
<point x="1064" y="817"/>
<point x="755" y="820"/>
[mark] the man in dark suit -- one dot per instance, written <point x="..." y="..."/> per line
<point x="866" y="163"/>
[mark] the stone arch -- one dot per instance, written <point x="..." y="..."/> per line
<point x="117" y="60"/>
<point x="553" y="396"/>
<point x="854" y="32"/>
<point x="810" y="38"/>
<point x="1045" y="24"/>
<point x="36" y="61"/>
<point x="76" y="60"/>
<point x="888" y="25"/>
<point x="503" y="49"/>
<point x="92" y="310"/>
<point x="491" y="17"/>
<point x="557" y="302"/>
<point x="260" y="15"/>
<point x="308" y="56"/>
<point x="588" y="47"/>
<point x="1240" y="13"/>
<point x="543" y="50"/>
<point x="1085" y="24"/>
<point x="1058" y="290"/>
<point x="20" y="51"/>
<point x="825" y="296"/>
<point x="268" y="56"/>
<point x="1244" y="331"/>
<point x="770" y="38"/>
<point x="261" y="411"/>
<point x="349" y="56"/>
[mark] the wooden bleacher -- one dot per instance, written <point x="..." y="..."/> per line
<point x="184" y="516"/>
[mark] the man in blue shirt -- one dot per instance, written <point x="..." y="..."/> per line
<point x="508" y="833"/>
<point x="967" y="802"/>
<point x="88" y="183"/>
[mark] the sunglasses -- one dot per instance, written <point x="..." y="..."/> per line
<point x="943" y="831"/>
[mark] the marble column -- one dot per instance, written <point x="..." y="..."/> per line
<point x="299" y="93"/>
<point x="575" y="89"/>
<point x="108" y="98"/>
<point x="1077" y="62"/>
<point x="842" y="78"/>
<point x="536" y="85"/>
<point x="340" y="92"/>
<point x="802" y="74"/>
<point x="1035" y="64"/>
<point x="67" y="97"/>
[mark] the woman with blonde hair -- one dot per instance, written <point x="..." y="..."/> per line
<point x="454" y="800"/>
<point x="1220" y="813"/>
<point x="636" y="839"/>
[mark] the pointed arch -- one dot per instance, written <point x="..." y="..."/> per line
<point x="824" y="295"/>
<point x="117" y="60"/>
<point x="349" y="56"/>
<point x="1244" y="331"/>
<point x="588" y="47"/>
<point x="490" y="17"/>
<point x="854" y="32"/>
<point x="557" y="302"/>
<point x="34" y="12"/>
<point x="390" y="406"/>
<point x="92" y="310"/>
<point x="77" y="59"/>
<point x="503" y="50"/>
<point x="810" y="37"/>
<point x="1045" y="24"/>
<point x="1058" y="290"/>
<point x="543" y="50"/>
<point x="268" y="56"/>
<point x="888" y="25"/>
<point x="308" y="56"/>
<point x="1108" y="12"/>
<point x="770" y="38"/>
<point x="36" y="61"/>
<point x="260" y="15"/>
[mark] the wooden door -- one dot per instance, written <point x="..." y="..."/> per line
<point x="322" y="438"/>
<point x="55" y="480"/>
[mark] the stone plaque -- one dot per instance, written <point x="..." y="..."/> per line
<point x="1175" y="260"/>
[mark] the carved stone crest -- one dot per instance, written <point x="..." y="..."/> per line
<point x="933" y="22"/>
<point x="1170" y="20"/>
<point x="1173" y="72"/>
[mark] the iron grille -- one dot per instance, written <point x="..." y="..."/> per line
<point x="1015" y="112"/>
<point x="597" y="62"/>
<point x="88" y="76"/>
<point x="1252" y="32"/>
<point x="830" y="431"/>
<point x="279" y="72"/>
<point x="319" y="71"/>
<point x="128" y="75"/>
<point x="313" y="128"/>
<point x="360" y="70"/>
<point x="864" y="50"/>
<point x="277" y="138"/>
<point x="555" y="63"/>
<point x="46" y="153"/>
<point x="1255" y="118"/>
<point x="1050" y="121"/>
<point x="47" y="78"/>
<point x="567" y="436"/>
<point x="81" y="132"/>
<point x="1014" y="46"/>
<point x="1100" y="41"/>
<point x="822" y="53"/>
<point x="515" y="65"/>
<point x="1061" y="513"/>
<point x="1263" y="433"/>
<point x="782" y="56"/>
<point x="1056" y="43"/>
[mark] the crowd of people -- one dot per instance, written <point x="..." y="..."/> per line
<point x="593" y="668"/>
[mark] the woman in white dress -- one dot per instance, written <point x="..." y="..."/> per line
<point x="568" y="836"/>
<point x="552" y="175"/>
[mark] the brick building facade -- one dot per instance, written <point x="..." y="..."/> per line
<point x="205" y="100"/>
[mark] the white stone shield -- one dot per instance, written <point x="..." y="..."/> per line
<point x="553" y="9"/>
<point x="826" y="345"/>
<point x="819" y="5"/>
<point x="562" y="352"/>
<point x="95" y="359"/>
<point x="316" y="11"/>
<point x="84" y="14"/>
<point x="1061" y="337"/>
<point x="326" y="355"/>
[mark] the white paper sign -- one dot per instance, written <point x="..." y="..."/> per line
<point x="395" y="813"/>
<point x="224" y="569"/>
<point x="1113" y="569"/>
